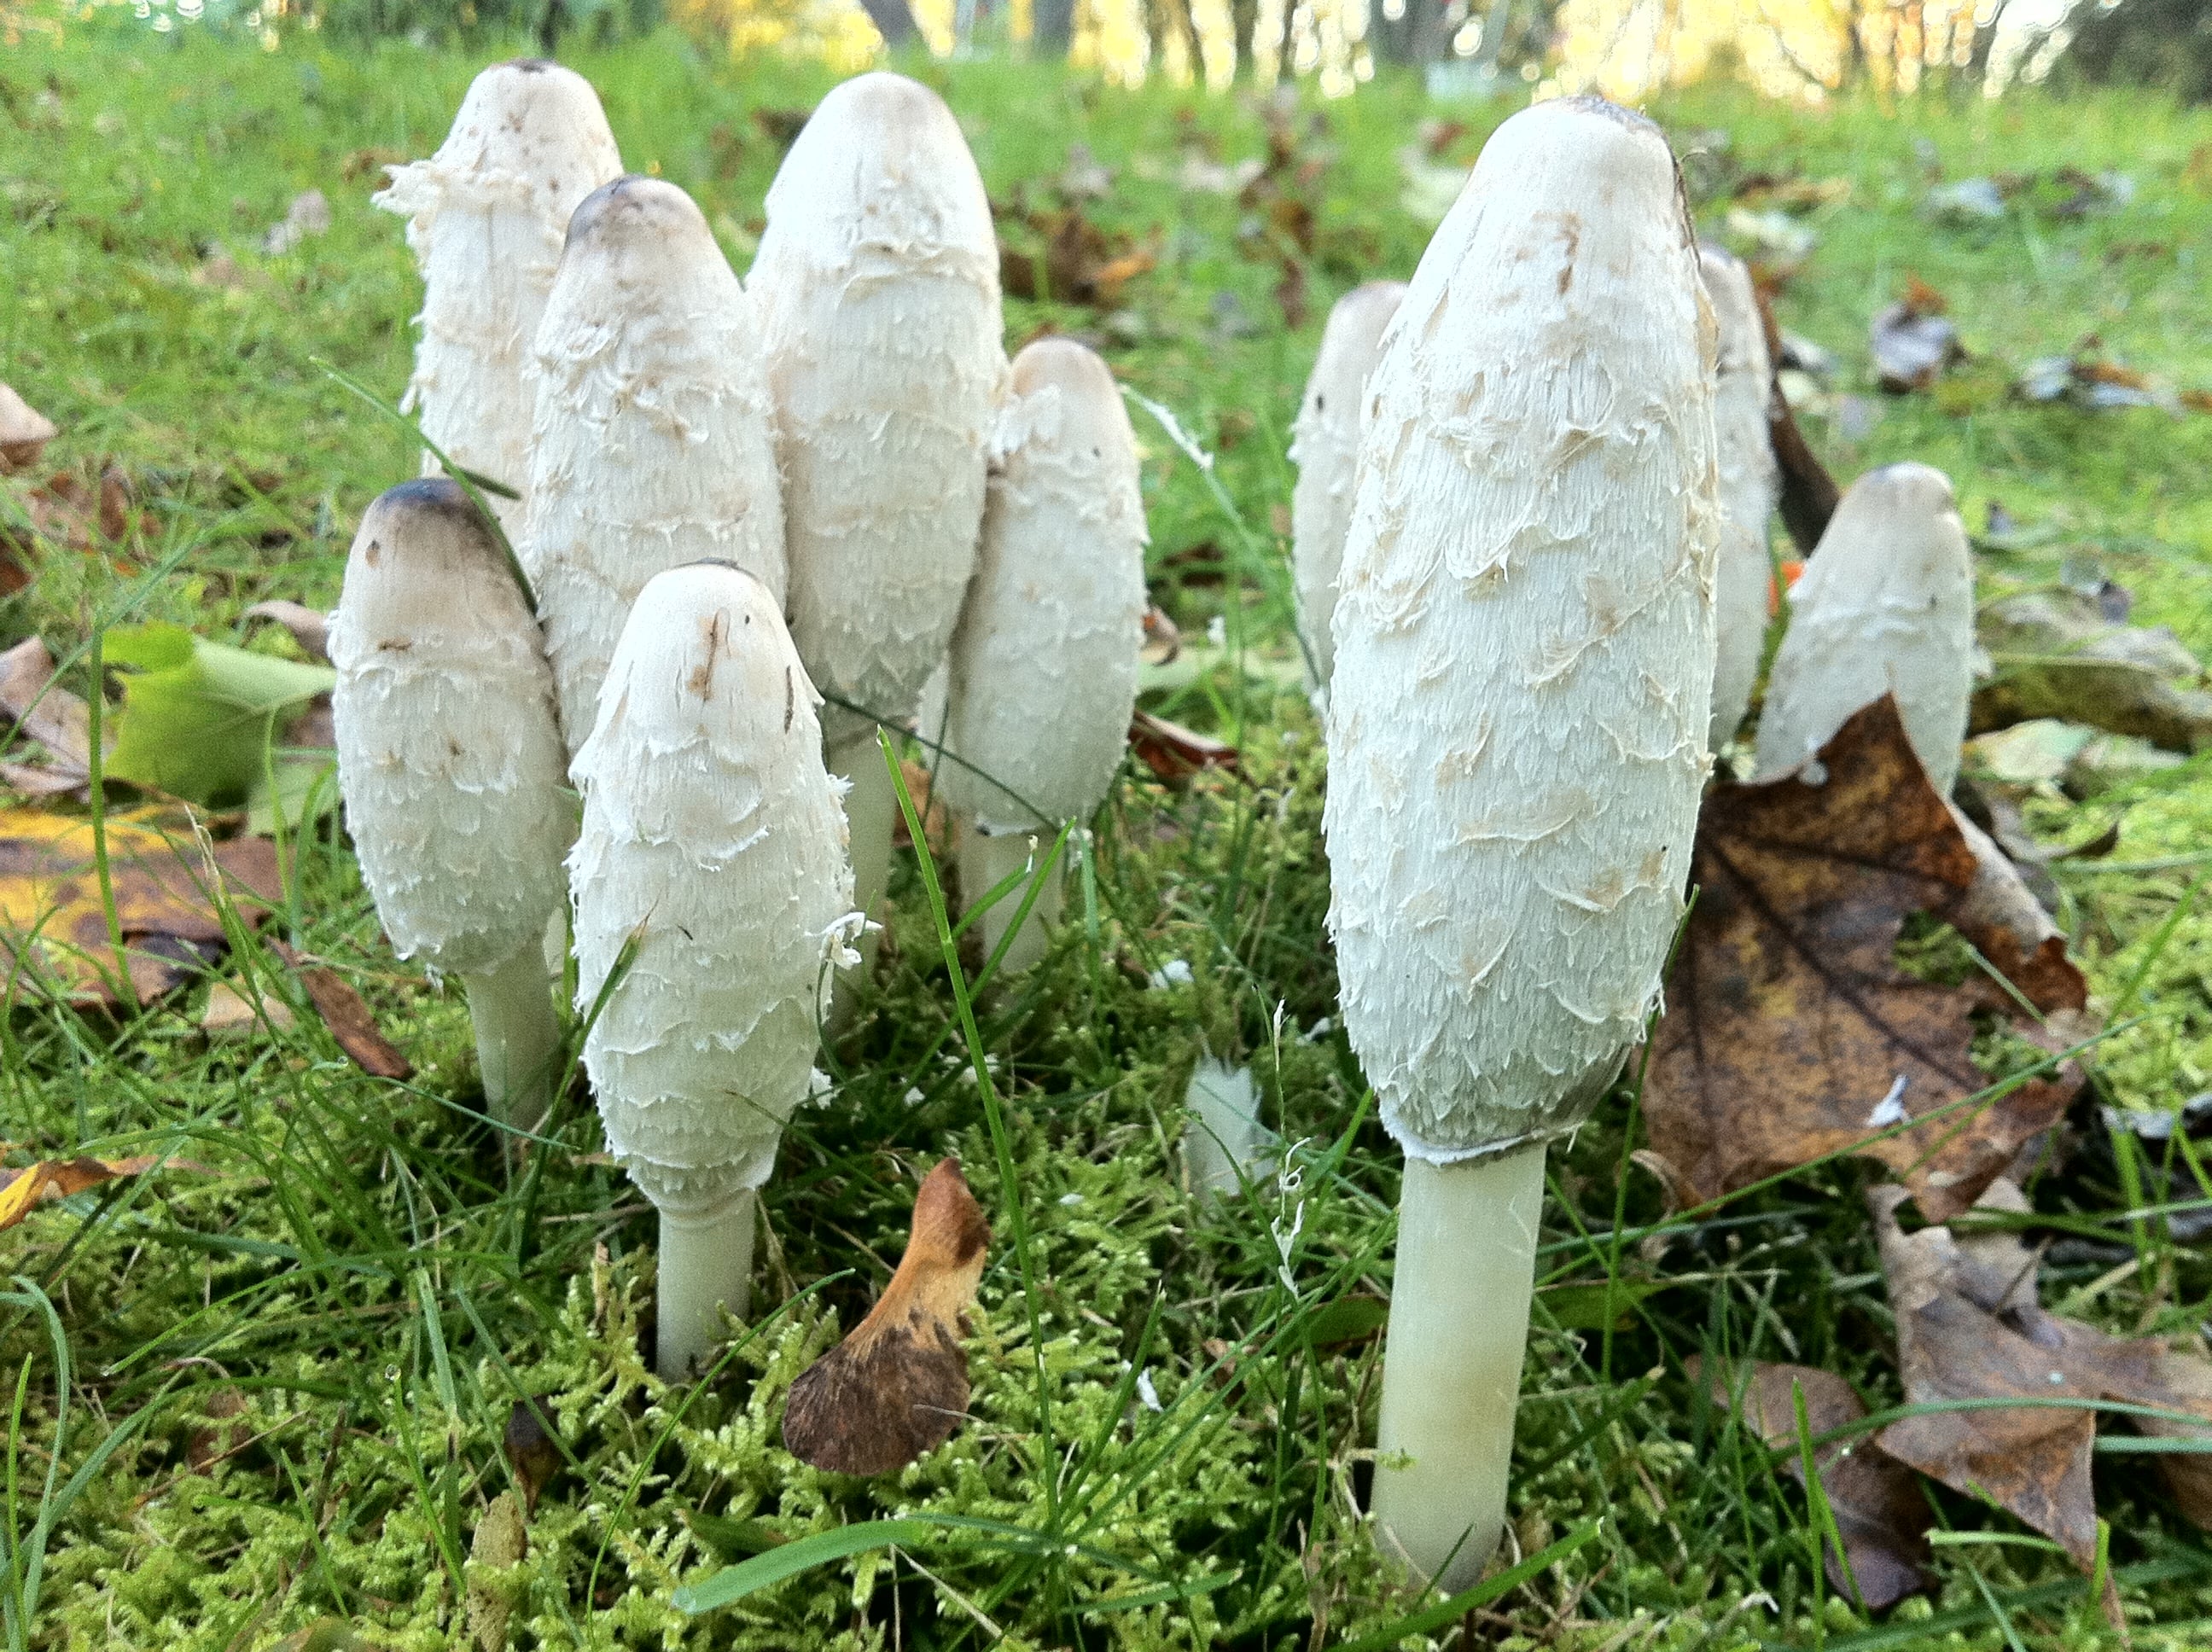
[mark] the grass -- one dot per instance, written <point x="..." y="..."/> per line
<point x="267" y="1385"/>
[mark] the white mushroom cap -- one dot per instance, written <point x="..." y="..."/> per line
<point x="1886" y="605"/>
<point x="878" y="283"/>
<point x="1044" y="662"/>
<point x="1751" y="486"/>
<point x="1524" y="642"/>
<point x="1325" y="446"/>
<point x="713" y="832"/>
<point x="448" y="758"/>
<point x="655" y="442"/>
<point x="485" y="215"/>
<point x="24" y="431"/>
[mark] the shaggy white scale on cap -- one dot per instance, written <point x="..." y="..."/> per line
<point x="1325" y="446"/>
<point x="1044" y="661"/>
<point x="1885" y="605"/>
<point x="1751" y="487"/>
<point x="1524" y="640"/>
<point x="712" y="833"/>
<point x="877" y="287"/>
<point x="450" y="761"/>
<point x="656" y="443"/>
<point x="1517" y="742"/>
<point x="485" y="215"/>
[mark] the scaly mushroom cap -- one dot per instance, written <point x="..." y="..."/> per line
<point x="656" y="439"/>
<point x="877" y="285"/>
<point x="448" y="758"/>
<point x="1044" y="662"/>
<point x="1325" y="446"/>
<point x="712" y="833"/>
<point x="1524" y="642"/>
<point x="1886" y="605"/>
<point x="1751" y="485"/>
<point x="485" y="215"/>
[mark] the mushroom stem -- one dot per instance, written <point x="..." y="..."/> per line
<point x="706" y="1266"/>
<point x="1451" y="1363"/>
<point x="872" y="813"/>
<point x="518" y="1038"/>
<point x="986" y="862"/>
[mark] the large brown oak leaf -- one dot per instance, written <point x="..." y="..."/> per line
<point x="1790" y="1033"/>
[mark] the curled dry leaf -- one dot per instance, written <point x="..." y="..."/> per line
<point x="530" y="1450"/>
<point x="58" y="1179"/>
<point x="897" y="1386"/>
<point x="1914" y="340"/>
<point x="1880" y="1514"/>
<point x="54" y="940"/>
<point x="351" y="1024"/>
<point x="58" y="721"/>
<point x="24" y="431"/>
<point x="1790" y="1033"/>
<point x="1174" y="752"/>
<point x="1809" y="493"/>
<point x="2056" y="654"/>
<point x="310" y="627"/>
<point x="1163" y="640"/>
<point x="1080" y="263"/>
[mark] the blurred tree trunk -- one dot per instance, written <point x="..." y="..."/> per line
<point x="1244" y="20"/>
<point x="1052" y="27"/>
<point x="893" y="21"/>
<point x="2144" y="43"/>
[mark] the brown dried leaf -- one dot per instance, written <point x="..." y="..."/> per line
<point x="1879" y="1513"/>
<point x="1790" y="1034"/>
<point x="54" y="927"/>
<point x="1174" y="752"/>
<point x="232" y="1017"/>
<point x="1912" y="340"/>
<point x="351" y="1024"/>
<point x="1163" y="640"/>
<point x="58" y="1179"/>
<point x="55" y="718"/>
<point x="530" y="1450"/>
<point x="1809" y="493"/>
<point x="897" y="1386"/>
<point x="24" y="432"/>
<point x="1081" y="263"/>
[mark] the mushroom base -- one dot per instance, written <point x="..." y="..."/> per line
<point x="1451" y="1363"/>
<point x="706" y="1265"/>
<point x="986" y="862"/>
<point x="518" y="1038"/>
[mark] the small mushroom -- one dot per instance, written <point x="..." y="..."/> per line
<point x="713" y="845"/>
<point x="1325" y="446"/>
<point x="897" y="1386"/>
<point x="878" y="288"/>
<point x="452" y="769"/>
<point x="1517" y="744"/>
<point x="1044" y="662"/>
<point x="485" y="215"/>
<point x="24" y="432"/>
<point x="655" y="439"/>
<point x="1885" y="605"/>
<point x="1751" y="485"/>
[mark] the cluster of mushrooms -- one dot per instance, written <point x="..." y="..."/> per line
<point x="1531" y="548"/>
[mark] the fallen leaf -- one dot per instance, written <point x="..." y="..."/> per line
<point x="24" y="432"/>
<point x="51" y="715"/>
<point x="1174" y="752"/>
<point x="897" y="1386"/>
<point x="1079" y="262"/>
<point x="500" y="1542"/>
<point x="2056" y="654"/>
<point x="1809" y="493"/>
<point x="1880" y="1512"/>
<point x="205" y="722"/>
<point x="310" y="627"/>
<point x="224" y="1436"/>
<point x="1163" y="639"/>
<point x="231" y="1016"/>
<point x="2089" y="380"/>
<point x="58" y="1179"/>
<point x="53" y="928"/>
<point x="351" y="1024"/>
<point x="1913" y="341"/>
<point x="530" y="1450"/>
<point x="69" y="512"/>
<point x="1790" y="1033"/>
<point x="370" y="164"/>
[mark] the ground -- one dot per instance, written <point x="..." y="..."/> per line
<point x="300" y="1349"/>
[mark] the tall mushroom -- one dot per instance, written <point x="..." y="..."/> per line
<point x="1751" y="486"/>
<point x="452" y="769"/>
<point x="485" y="215"/>
<point x="1044" y="661"/>
<point x="1325" y="446"/>
<point x="656" y="443"/>
<point x="1885" y="605"/>
<point x="877" y="284"/>
<point x="713" y="838"/>
<point x="1516" y="730"/>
